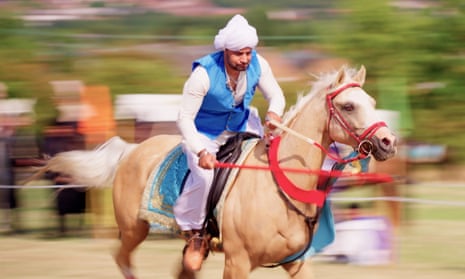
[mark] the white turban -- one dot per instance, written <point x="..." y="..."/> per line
<point x="236" y="35"/>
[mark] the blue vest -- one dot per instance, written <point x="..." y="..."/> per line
<point x="218" y="111"/>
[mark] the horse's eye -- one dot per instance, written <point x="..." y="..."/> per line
<point x="348" y="107"/>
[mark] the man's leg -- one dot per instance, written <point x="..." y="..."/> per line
<point x="190" y="212"/>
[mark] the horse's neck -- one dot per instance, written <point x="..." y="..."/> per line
<point x="296" y="153"/>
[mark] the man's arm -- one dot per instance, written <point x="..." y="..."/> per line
<point x="195" y="89"/>
<point x="272" y="92"/>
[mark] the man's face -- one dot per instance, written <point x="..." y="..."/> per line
<point x="238" y="60"/>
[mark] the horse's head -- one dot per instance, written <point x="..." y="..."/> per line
<point x="353" y="119"/>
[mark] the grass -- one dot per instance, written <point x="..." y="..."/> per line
<point x="436" y="243"/>
<point x="37" y="212"/>
<point x="431" y="235"/>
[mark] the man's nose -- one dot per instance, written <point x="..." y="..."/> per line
<point x="244" y="58"/>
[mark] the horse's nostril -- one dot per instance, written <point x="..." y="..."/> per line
<point x="386" y="141"/>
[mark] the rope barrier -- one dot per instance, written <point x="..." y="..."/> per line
<point x="333" y="199"/>
<point x="442" y="184"/>
<point x="399" y="199"/>
<point x="426" y="184"/>
<point x="142" y="37"/>
<point x="41" y="186"/>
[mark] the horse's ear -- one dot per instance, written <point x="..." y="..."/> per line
<point x="360" y="76"/>
<point x="340" y="77"/>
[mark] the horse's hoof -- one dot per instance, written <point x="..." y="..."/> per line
<point x="127" y="273"/>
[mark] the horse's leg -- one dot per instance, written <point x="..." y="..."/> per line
<point x="130" y="239"/>
<point x="237" y="266"/>
<point x="299" y="270"/>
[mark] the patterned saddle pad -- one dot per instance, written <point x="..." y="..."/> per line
<point x="162" y="190"/>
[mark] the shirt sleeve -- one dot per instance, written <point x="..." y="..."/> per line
<point x="270" y="88"/>
<point x="195" y="89"/>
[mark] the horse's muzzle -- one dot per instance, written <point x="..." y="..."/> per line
<point x="381" y="148"/>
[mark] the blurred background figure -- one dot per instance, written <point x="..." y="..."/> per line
<point x="7" y="196"/>
<point x="14" y="113"/>
<point x="61" y="135"/>
<point x="96" y="125"/>
<point x="84" y="120"/>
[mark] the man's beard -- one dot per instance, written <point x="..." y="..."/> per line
<point x="238" y="67"/>
<point x="241" y="67"/>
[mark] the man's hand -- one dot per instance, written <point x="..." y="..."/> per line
<point x="206" y="159"/>
<point x="272" y="116"/>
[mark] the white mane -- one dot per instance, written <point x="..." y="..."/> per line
<point x="321" y="84"/>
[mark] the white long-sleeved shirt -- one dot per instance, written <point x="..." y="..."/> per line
<point x="197" y="86"/>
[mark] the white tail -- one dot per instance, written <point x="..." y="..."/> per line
<point x="90" y="167"/>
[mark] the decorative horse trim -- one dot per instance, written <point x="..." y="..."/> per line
<point x="161" y="191"/>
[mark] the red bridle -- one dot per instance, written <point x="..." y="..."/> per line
<point x="365" y="146"/>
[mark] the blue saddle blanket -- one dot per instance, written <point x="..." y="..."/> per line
<point x="162" y="190"/>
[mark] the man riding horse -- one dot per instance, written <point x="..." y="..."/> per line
<point x="216" y="106"/>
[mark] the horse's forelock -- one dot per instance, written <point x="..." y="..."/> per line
<point x="321" y="84"/>
<point x="326" y="80"/>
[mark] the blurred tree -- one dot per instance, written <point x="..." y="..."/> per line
<point x="22" y="71"/>
<point x="401" y="48"/>
<point x="374" y="34"/>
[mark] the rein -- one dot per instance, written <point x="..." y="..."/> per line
<point x="308" y="196"/>
<point x="363" y="177"/>
<point x="310" y="141"/>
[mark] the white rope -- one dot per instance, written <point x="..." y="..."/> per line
<point x="333" y="199"/>
<point x="439" y="184"/>
<point x="399" y="199"/>
<point x="40" y="186"/>
<point x="292" y="132"/>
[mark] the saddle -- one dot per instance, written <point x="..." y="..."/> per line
<point x="228" y="153"/>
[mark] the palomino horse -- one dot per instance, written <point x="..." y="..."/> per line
<point x="261" y="225"/>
